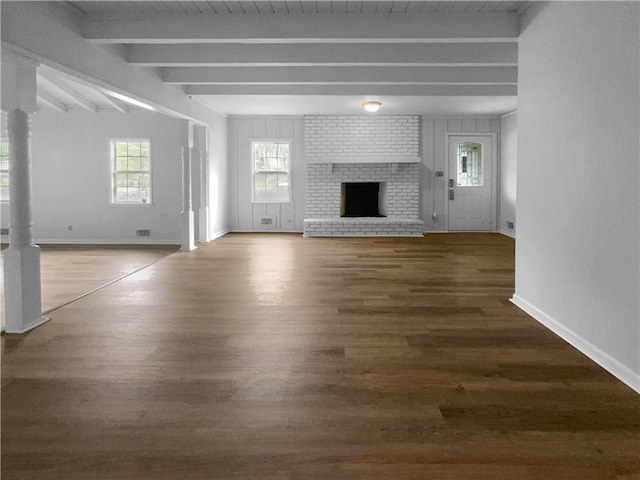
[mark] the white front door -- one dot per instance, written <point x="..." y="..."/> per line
<point x="470" y="189"/>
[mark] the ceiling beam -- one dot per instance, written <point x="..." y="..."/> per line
<point x="52" y="101"/>
<point x="305" y="28"/>
<point x="114" y="102"/>
<point x="76" y="97"/>
<point x="340" y="75"/>
<point x="354" y="89"/>
<point x="435" y="54"/>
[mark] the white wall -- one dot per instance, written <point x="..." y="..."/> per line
<point x="4" y="206"/>
<point x="244" y="215"/>
<point x="72" y="177"/>
<point x="508" y="170"/>
<point x="218" y="177"/>
<point x="434" y="158"/>
<point x="577" y="258"/>
<point x="73" y="148"/>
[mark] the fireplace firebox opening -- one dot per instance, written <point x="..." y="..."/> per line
<point x="362" y="199"/>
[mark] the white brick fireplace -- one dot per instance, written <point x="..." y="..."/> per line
<point x="362" y="149"/>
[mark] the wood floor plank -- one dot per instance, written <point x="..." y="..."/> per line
<point x="273" y="357"/>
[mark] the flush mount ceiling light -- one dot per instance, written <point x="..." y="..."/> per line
<point x="371" y="106"/>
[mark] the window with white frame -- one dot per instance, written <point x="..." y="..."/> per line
<point x="131" y="163"/>
<point x="4" y="170"/>
<point x="271" y="171"/>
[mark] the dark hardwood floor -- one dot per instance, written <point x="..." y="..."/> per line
<point x="278" y="357"/>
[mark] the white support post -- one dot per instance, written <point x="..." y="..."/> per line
<point x="203" y="213"/>
<point x="23" y="294"/>
<point x="187" y="234"/>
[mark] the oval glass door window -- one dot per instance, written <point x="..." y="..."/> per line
<point x="470" y="165"/>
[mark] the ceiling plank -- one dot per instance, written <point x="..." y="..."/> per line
<point x="340" y="75"/>
<point x="360" y="90"/>
<point x="201" y="55"/>
<point x="305" y="28"/>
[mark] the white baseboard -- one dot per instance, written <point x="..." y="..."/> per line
<point x="613" y="366"/>
<point x="36" y="323"/>
<point x="219" y="233"/>
<point x="266" y="231"/>
<point x="105" y="241"/>
<point x="507" y="233"/>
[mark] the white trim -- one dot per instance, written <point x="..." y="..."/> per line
<point x="378" y="159"/>
<point x="219" y="233"/>
<point x="490" y="116"/>
<point x="362" y="235"/>
<point x="106" y="241"/>
<point x="507" y="233"/>
<point x="613" y="366"/>
<point x="508" y="114"/>
<point x="36" y="323"/>
<point x="266" y="231"/>
<point x="279" y="117"/>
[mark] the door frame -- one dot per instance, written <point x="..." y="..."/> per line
<point x="494" y="175"/>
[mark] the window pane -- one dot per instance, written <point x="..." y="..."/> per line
<point x="121" y="149"/>
<point x="121" y="179"/>
<point x="4" y="194"/>
<point x="272" y="180"/>
<point x="145" y="195"/>
<point x="144" y="149"/>
<point x="121" y="163"/>
<point x="470" y="165"/>
<point x="144" y="163"/>
<point x="133" y="149"/>
<point x="133" y="180"/>
<point x="133" y="195"/>
<point x="144" y="180"/>
<point x="4" y="179"/>
<point x="133" y="163"/>
<point x="121" y="194"/>
<point x="283" y="179"/>
<point x="260" y="180"/>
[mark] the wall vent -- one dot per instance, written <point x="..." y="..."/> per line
<point x="266" y="221"/>
<point x="143" y="233"/>
<point x="4" y="231"/>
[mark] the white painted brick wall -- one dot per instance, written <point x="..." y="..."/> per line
<point x="362" y="136"/>
<point x="336" y="136"/>
<point x="359" y="227"/>
<point x="323" y="187"/>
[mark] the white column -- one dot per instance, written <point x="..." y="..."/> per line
<point x="23" y="295"/>
<point x="187" y="234"/>
<point x="203" y="213"/>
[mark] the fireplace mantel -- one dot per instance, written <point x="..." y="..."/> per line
<point x="377" y="159"/>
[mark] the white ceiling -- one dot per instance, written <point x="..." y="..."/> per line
<point x="437" y="58"/>
<point x="447" y="106"/>
<point x="266" y="7"/>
